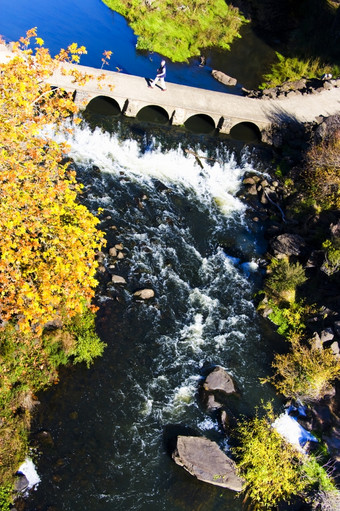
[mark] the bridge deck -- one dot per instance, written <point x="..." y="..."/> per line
<point x="185" y="101"/>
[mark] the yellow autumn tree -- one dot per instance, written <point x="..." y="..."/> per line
<point x="48" y="240"/>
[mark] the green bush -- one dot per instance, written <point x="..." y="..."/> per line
<point x="306" y="372"/>
<point x="332" y="259"/>
<point x="290" y="319"/>
<point x="5" y="497"/>
<point x="88" y="345"/>
<point x="317" y="476"/>
<point x="285" y="277"/>
<point x="290" y="69"/>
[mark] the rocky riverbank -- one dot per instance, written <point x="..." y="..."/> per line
<point x="299" y="238"/>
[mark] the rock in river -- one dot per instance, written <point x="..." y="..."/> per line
<point x="204" y="459"/>
<point x="144" y="294"/>
<point x="217" y="386"/>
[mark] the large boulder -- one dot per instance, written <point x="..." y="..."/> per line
<point x="216" y="388"/>
<point x="287" y="245"/>
<point x="204" y="459"/>
<point x="223" y="78"/>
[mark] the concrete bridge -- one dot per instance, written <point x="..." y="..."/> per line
<point x="131" y="94"/>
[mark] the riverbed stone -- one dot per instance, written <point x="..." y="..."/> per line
<point x="144" y="294"/>
<point x="219" y="380"/>
<point x="203" y="459"/>
<point x="327" y="334"/>
<point x="113" y="252"/>
<point x="223" y="78"/>
<point x="216" y="388"/>
<point x="117" y="279"/>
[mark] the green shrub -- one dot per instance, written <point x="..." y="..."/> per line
<point x="317" y="476"/>
<point x="270" y="466"/>
<point x="306" y="372"/>
<point x="290" y="69"/>
<point x="5" y="497"/>
<point x="88" y="345"/>
<point x="285" y="277"/>
<point x="332" y="262"/>
<point x="290" y="319"/>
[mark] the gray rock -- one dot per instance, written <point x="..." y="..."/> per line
<point x="336" y="325"/>
<point x="288" y="244"/>
<point x="144" y="294"/>
<point x="248" y="181"/>
<point x="252" y="190"/>
<point x="327" y="335"/>
<point x="203" y="459"/>
<point x="335" y="348"/>
<point x="21" y="483"/>
<point x="223" y="78"/>
<point x="219" y="380"/>
<point x="100" y="257"/>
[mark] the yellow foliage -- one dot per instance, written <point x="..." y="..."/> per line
<point x="48" y="240"/>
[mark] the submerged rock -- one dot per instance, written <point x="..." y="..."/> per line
<point x="204" y="459"/>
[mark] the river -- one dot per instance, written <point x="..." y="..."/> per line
<point x="186" y="235"/>
<point x="94" y="25"/>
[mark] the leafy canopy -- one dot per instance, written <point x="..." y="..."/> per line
<point x="48" y="240"/>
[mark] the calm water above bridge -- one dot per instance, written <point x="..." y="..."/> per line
<point x="91" y="23"/>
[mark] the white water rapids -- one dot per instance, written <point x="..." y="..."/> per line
<point x="186" y="235"/>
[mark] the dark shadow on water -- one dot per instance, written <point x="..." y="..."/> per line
<point x="102" y="105"/>
<point x="153" y="114"/>
<point x="246" y="131"/>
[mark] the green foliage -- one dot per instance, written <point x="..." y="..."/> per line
<point x="5" y="497"/>
<point x="270" y="466"/>
<point x="322" y="168"/>
<point x="332" y="262"/>
<point x="180" y="28"/>
<point x="306" y="372"/>
<point x="317" y="475"/>
<point x="88" y="345"/>
<point x="290" y="69"/>
<point x="290" y="319"/>
<point x="285" y="277"/>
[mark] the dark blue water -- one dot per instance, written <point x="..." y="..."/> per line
<point x="94" y="25"/>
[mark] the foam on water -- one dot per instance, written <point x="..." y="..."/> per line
<point x="215" y="183"/>
<point x="28" y="469"/>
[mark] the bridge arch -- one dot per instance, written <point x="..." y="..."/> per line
<point x="103" y="105"/>
<point x="153" y="113"/>
<point x="200" y="123"/>
<point x="246" y="131"/>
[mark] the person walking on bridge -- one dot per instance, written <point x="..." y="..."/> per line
<point x="161" y="74"/>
